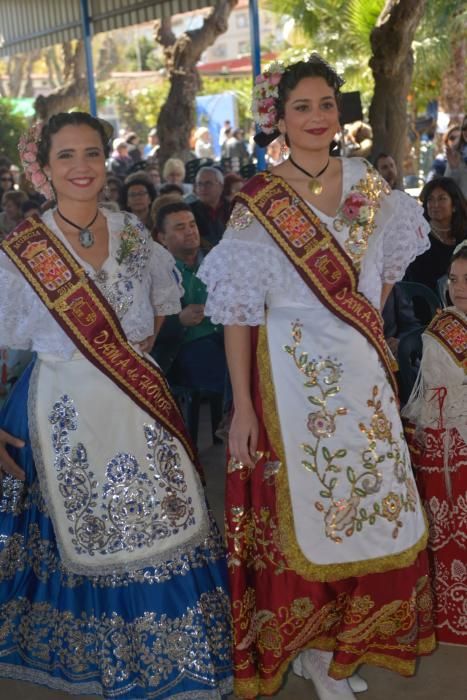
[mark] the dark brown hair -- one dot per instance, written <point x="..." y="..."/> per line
<point x="459" y="205"/>
<point x="58" y="121"/>
<point x="165" y="211"/>
<point x="314" y="67"/>
<point x="142" y="181"/>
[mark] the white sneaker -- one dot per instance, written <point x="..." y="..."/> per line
<point x="314" y="664"/>
<point x="356" y="682"/>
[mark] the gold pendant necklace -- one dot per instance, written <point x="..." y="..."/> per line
<point x="314" y="184"/>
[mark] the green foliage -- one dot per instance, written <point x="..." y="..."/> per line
<point x="137" y="109"/>
<point x="340" y="31"/>
<point x="361" y="17"/>
<point x="144" y="56"/>
<point x="13" y="125"/>
<point x="443" y="25"/>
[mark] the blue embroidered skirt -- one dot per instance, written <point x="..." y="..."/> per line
<point x="154" y="632"/>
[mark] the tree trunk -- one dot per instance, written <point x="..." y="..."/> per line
<point x="452" y="94"/>
<point x="73" y="94"/>
<point x="53" y="68"/>
<point x="28" y="88"/>
<point x="177" y="116"/>
<point x="15" y="72"/>
<point x="392" y="67"/>
<point x="108" y="59"/>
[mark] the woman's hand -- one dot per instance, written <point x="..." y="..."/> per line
<point x="243" y="435"/>
<point x="191" y="315"/>
<point x="147" y="344"/>
<point x="7" y="465"/>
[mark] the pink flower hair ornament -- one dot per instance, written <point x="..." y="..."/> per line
<point x="265" y="94"/>
<point x="28" y="147"/>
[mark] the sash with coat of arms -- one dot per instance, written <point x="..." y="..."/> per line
<point x="449" y="329"/>
<point x="89" y="321"/>
<point x="317" y="257"/>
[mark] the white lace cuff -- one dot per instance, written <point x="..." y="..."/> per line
<point x="405" y="236"/>
<point x="166" y="285"/>
<point x="238" y="275"/>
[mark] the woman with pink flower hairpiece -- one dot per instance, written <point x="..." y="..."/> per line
<point x="325" y="530"/>
<point x="112" y="571"/>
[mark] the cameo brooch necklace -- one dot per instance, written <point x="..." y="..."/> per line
<point x="86" y="236"/>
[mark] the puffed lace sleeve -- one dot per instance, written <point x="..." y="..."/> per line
<point x="240" y="271"/>
<point x="166" y="284"/>
<point x="405" y="236"/>
<point x="16" y="308"/>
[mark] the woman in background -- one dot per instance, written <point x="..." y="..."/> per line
<point x="445" y="209"/>
<point x="12" y="214"/>
<point x="456" y="156"/>
<point x="437" y="432"/>
<point x="138" y="193"/>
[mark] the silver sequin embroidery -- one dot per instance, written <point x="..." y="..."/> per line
<point x="134" y="508"/>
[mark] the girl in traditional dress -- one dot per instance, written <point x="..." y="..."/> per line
<point x="326" y="534"/>
<point x="111" y="569"/>
<point x="437" y="428"/>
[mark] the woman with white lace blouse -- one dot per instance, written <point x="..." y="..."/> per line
<point x="437" y="432"/>
<point x="112" y="572"/>
<point x="325" y="529"/>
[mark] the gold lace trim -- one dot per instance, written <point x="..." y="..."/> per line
<point x="289" y="545"/>
<point x="252" y="687"/>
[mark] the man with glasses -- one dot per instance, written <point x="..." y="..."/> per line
<point x="211" y="209"/>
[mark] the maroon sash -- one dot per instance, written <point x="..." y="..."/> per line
<point x="319" y="260"/>
<point x="450" y="330"/>
<point x="84" y="314"/>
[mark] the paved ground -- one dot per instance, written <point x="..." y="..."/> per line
<point x="442" y="676"/>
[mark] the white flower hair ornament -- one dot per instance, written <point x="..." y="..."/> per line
<point x="28" y="147"/>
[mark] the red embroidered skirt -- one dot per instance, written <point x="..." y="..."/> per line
<point x="445" y="500"/>
<point x="383" y="619"/>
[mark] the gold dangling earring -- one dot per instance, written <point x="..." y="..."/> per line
<point x="284" y="150"/>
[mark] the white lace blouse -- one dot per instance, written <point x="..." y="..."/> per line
<point x="145" y="284"/>
<point x="439" y="371"/>
<point x="247" y="268"/>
